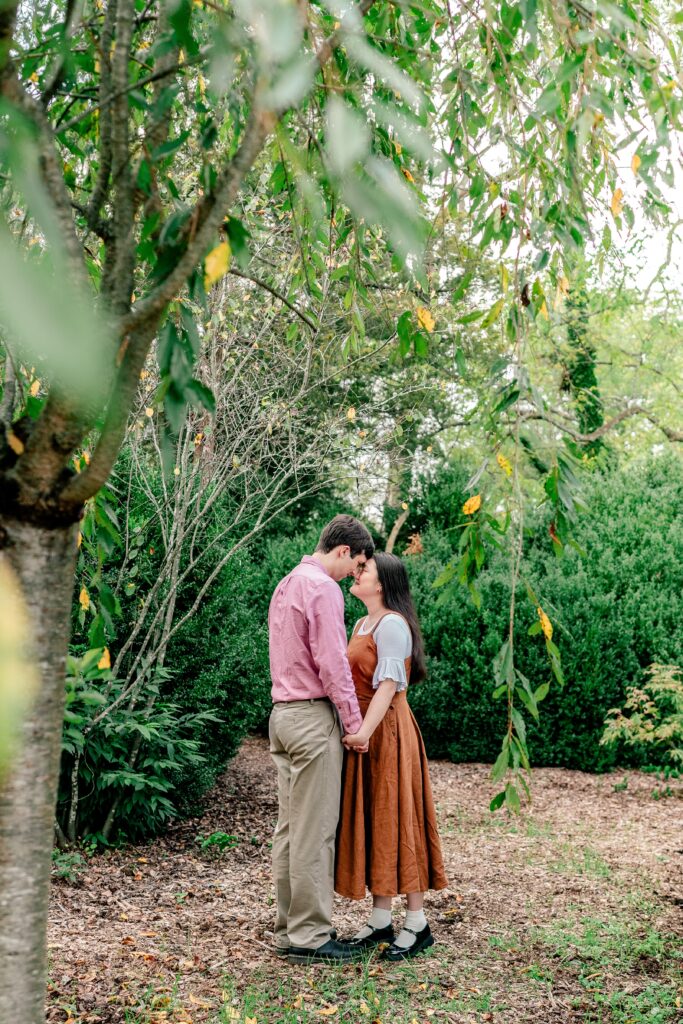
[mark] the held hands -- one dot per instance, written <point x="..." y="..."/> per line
<point x="357" y="741"/>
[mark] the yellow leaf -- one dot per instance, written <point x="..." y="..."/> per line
<point x="404" y="505"/>
<point x="504" y="464"/>
<point x="329" y="1011"/>
<point x="231" y="1013"/>
<point x="398" y="148"/>
<point x="86" y="457"/>
<point x="617" y="204"/>
<point x="149" y="412"/>
<point x="635" y="163"/>
<point x="15" y="443"/>
<point x="564" y="286"/>
<point x="425" y="319"/>
<point x="83" y="599"/>
<point x="176" y="471"/>
<point x="351" y="413"/>
<point x="472" y="505"/>
<point x="407" y="175"/>
<point x="35" y="388"/>
<point x="364" y="1008"/>
<point x="34" y="77"/>
<point x="216" y="264"/>
<point x="250" y="1020"/>
<point x="105" y="660"/>
<point x="546" y="624"/>
<point x="235" y="462"/>
<point x="543" y="311"/>
<point x="80" y="539"/>
<point x="199" y="1002"/>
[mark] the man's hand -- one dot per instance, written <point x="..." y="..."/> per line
<point x="357" y="741"/>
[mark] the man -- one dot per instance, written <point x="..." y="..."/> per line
<point x="312" y="691"/>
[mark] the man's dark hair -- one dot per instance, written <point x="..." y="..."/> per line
<point x="346" y="530"/>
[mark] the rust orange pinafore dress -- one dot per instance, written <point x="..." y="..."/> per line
<point x="387" y="838"/>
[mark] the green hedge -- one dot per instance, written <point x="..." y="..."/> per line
<point x="615" y="611"/>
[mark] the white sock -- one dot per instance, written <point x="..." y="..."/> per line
<point x="414" y="919"/>
<point x="378" y="919"/>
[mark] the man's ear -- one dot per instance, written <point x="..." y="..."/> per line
<point x="343" y="551"/>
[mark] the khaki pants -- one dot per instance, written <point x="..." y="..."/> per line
<point x="305" y="741"/>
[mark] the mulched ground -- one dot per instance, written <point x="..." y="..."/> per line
<point x="168" y="924"/>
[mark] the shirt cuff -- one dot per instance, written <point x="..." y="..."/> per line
<point x="351" y="719"/>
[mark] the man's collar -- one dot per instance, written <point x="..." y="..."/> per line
<point x="309" y="560"/>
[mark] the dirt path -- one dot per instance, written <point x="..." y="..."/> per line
<point x="166" y="932"/>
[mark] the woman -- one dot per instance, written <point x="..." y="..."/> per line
<point x="387" y="838"/>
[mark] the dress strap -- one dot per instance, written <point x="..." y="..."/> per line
<point x="389" y="612"/>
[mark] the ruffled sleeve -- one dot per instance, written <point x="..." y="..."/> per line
<point x="394" y="644"/>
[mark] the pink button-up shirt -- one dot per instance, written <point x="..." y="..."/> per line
<point x="308" y="641"/>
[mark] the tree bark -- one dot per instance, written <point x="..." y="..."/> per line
<point x="44" y="561"/>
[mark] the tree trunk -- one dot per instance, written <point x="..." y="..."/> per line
<point x="44" y="561"/>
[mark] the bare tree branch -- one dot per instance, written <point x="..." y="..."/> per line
<point x="277" y="294"/>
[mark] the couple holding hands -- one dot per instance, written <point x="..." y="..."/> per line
<point x="355" y="805"/>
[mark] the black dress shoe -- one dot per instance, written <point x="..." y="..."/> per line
<point x="331" y="952"/>
<point x="377" y="936"/>
<point x="423" y="940"/>
<point x="284" y="950"/>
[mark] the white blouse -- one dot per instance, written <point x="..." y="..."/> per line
<point x="394" y="644"/>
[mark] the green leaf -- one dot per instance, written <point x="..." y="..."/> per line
<point x="511" y="798"/>
<point x="520" y="726"/>
<point x="461" y="286"/>
<point x="404" y="331"/>
<point x="445" y="576"/>
<point x="200" y="396"/>
<point x="493" y="314"/>
<point x="542" y="692"/>
<point x="470" y="318"/>
<point x="528" y="701"/>
<point x="503" y="665"/>
<point x="498" y="801"/>
<point x="502" y="762"/>
<point x="421" y="343"/>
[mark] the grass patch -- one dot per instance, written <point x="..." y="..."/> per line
<point x="369" y="991"/>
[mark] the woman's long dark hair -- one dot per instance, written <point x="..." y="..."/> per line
<point x="393" y="578"/>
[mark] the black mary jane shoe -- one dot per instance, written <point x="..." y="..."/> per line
<point x="423" y="940"/>
<point x="376" y="938"/>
